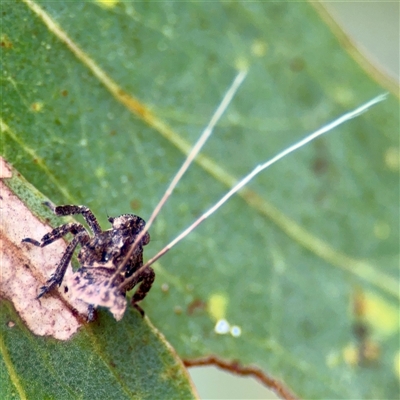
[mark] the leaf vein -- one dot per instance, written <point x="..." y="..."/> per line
<point x="11" y="371"/>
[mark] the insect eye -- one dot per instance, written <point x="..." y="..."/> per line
<point x="105" y="256"/>
<point x="111" y="220"/>
<point x="146" y="239"/>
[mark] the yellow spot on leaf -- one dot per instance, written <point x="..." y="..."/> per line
<point x="381" y="230"/>
<point x="242" y="64"/>
<point x="36" y="107"/>
<point x="351" y="355"/>
<point x="381" y="315"/>
<point x="217" y="306"/>
<point x="344" y="96"/>
<point x="259" y="48"/>
<point x="100" y="172"/>
<point x="392" y="158"/>
<point x="107" y="3"/>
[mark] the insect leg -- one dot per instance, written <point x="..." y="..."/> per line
<point x="146" y="278"/>
<point x="90" y="316"/>
<point x="56" y="234"/>
<point x="83" y="210"/>
<point x="81" y="238"/>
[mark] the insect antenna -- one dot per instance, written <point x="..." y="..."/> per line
<point x="259" y="168"/>
<point x="230" y="93"/>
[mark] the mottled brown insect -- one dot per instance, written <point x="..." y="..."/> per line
<point x="96" y="281"/>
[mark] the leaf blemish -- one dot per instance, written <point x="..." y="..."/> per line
<point x="5" y="42"/>
<point x="392" y="158"/>
<point x="37" y="106"/>
<point x="52" y="316"/>
<point x="217" y="305"/>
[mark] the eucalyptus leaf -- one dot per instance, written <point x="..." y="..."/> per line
<point x="100" y="102"/>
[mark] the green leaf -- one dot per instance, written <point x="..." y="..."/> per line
<point x="99" y="105"/>
<point x="105" y="360"/>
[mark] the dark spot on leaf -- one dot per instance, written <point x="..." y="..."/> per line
<point x="37" y="106"/>
<point x="196" y="306"/>
<point x="64" y="93"/>
<point x="135" y="204"/>
<point x="320" y="165"/>
<point x="178" y="310"/>
<point x="297" y="64"/>
<point x="6" y="42"/>
<point x="360" y="330"/>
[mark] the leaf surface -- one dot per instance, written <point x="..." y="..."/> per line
<point x="104" y="360"/>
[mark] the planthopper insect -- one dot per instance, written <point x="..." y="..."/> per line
<point x="111" y="261"/>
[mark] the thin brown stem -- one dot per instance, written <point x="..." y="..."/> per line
<point x="236" y="368"/>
